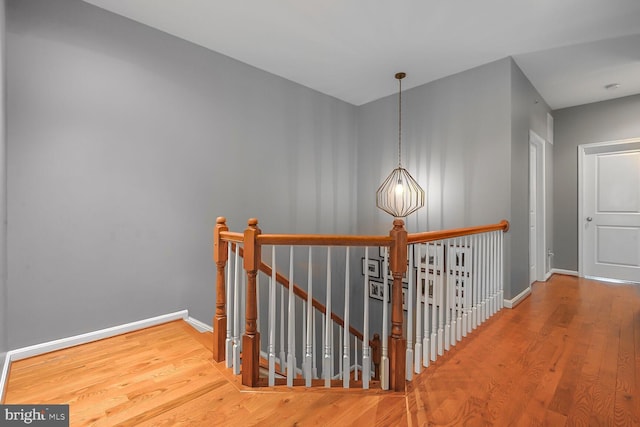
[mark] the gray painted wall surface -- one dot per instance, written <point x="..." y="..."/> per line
<point x="125" y="144"/>
<point x="452" y="129"/>
<point x="598" y="122"/>
<point x="3" y="194"/>
<point x="529" y="112"/>
<point x="456" y="143"/>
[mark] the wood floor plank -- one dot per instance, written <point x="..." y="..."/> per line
<point x="625" y="408"/>
<point x="567" y="355"/>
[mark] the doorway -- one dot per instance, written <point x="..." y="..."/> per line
<point x="537" y="197"/>
<point x="609" y="211"/>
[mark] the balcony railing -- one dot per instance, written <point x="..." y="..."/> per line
<point x="442" y="284"/>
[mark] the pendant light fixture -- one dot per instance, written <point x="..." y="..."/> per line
<point x="400" y="195"/>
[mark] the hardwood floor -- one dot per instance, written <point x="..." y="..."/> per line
<point x="567" y="355"/>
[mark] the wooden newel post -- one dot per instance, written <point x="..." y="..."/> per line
<point x="397" y="342"/>
<point x="251" y="337"/>
<point x="220" y="256"/>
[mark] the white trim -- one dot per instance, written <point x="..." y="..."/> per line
<point x="616" y="281"/>
<point x="541" y="205"/>
<point x="47" y="347"/>
<point x="198" y="325"/>
<point x="583" y="151"/>
<point x="5" y="375"/>
<point x="565" y="272"/>
<point x="548" y="275"/>
<point x="510" y="303"/>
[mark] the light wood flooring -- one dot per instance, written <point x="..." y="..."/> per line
<point x="567" y="355"/>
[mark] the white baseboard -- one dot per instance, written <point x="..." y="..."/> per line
<point x="510" y="303"/>
<point x="198" y="325"/>
<point x="37" y="349"/>
<point x="565" y="272"/>
<point x="548" y="275"/>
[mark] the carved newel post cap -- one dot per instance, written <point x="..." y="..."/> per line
<point x="398" y="223"/>
<point x="221" y="220"/>
<point x="253" y="222"/>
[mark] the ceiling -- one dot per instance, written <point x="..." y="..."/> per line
<point x="351" y="49"/>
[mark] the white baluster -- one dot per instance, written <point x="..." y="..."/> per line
<point x="460" y="289"/>
<point x="303" y="339"/>
<point x="447" y="295"/>
<point x="228" y="345"/>
<point x="384" y="365"/>
<point x="355" y="357"/>
<point x="328" y="357"/>
<point x="483" y="278"/>
<point x="489" y="274"/>
<point x="487" y="263"/>
<point x="333" y="347"/>
<point x="293" y="334"/>
<point x="314" y="369"/>
<point x="496" y="273"/>
<point x="282" y="312"/>
<point x="324" y="343"/>
<point x="441" y="293"/>
<point x="501" y="268"/>
<point x="346" y="357"/>
<point x="272" y="319"/>
<point x="453" y="289"/>
<point x="474" y="281"/>
<point x="366" y="361"/>
<point x="236" y="317"/>
<point x="492" y="300"/>
<point x="310" y="339"/>
<point x="434" y="306"/>
<point x="417" y="363"/>
<point x="409" y="303"/>
<point x="291" y="317"/>
<point x="493" y="272"/>
<point x="340" y="345"/>
<point x="466" y="316"/>
<point x="426" y="340"/>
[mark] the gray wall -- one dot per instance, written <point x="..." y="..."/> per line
<point x="456" y="143"/>
<point x="452" y="129"/>
<point x="598" y="122"/>
<point x="3" y="195"/>
<point x="528" y="112"/>
<point x="466" y="141"/>
<point x="124" y="146"/>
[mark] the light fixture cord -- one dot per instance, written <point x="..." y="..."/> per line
<point x="400" y="124"/>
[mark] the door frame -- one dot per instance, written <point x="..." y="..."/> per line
<point x="583" y="151"/>
<point x="537" y="142"/>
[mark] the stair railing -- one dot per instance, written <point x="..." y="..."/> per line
<point x="310" y="372"/>
<point x="459" y="284"/>
<point x="461" y="271"/>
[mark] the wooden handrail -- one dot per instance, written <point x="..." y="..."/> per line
<point x="323" y="240"/>
<point x="430" y="236"/>
<point x="349" y="240"/>
<point x="231" y="236"/>
<point x="266" y="269"/>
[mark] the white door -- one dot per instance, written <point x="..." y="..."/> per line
<point x="611" y="213"/>
<point x="533" y="236"/>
